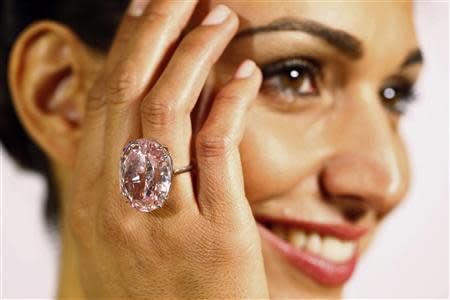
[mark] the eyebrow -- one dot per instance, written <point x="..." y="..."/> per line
<point x="414" y="57"/>
<point x="341" y="40"/>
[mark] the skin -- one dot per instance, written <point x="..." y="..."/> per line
<point x="332" y="158"/>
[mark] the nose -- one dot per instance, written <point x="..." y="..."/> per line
<point x="367" y="169"/>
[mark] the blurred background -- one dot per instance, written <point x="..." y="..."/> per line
<point x="410" y="254"/>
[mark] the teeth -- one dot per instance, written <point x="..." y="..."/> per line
<point x="297" y="238"/>
<point x="328" y="247"/>
<point x="314" y="243"/>
<point x="337" y="250"/>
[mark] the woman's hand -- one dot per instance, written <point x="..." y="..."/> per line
<point x="203" y="243"/>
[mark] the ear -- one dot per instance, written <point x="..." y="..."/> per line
<point x="50" y="72"/>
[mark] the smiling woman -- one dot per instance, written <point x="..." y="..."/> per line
<point x="287" y="112"/>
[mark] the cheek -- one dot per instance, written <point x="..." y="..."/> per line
<point x="265" y="164"/>
<point x="276" y="154"/>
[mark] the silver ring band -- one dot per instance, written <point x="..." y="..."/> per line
<point x="188" y="168"/>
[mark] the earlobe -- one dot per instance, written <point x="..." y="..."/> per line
<point x="50" y="70"/>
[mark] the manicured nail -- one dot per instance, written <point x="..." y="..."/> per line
<point x="245" y="69"/>
<point x="217" y="16"/>
<point x="137" y="7"/>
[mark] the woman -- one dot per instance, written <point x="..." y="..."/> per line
<point x="286" y="111"/>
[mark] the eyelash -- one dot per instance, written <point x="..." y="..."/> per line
<point x="304" y="72"/>
<point x="282" y="76"/>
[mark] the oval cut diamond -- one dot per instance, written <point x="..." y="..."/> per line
<point x="145" y="174"/>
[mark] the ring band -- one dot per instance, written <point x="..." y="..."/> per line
<point x="182" y="170"/>
<point x="146" y="171"/>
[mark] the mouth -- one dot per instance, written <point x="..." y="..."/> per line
<point x="327" y="253"/>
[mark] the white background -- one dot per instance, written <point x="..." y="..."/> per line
<point x="409" y="257"/>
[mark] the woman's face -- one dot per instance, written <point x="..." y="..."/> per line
<point x="322" y="145"/>
<point x="322" y="156"/>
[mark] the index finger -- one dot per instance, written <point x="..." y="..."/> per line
<point x="95" y="114"/>
<point x="124" y="32"/>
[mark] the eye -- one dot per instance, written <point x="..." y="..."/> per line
<point x="397" y="97"/>
<point x="292" y="78"/>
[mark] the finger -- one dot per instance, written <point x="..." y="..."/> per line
<point x="121" y="38"/>
<point x="124" y="32"/>
<point x="165" y="111"/>
<point x="95" y="118"/>
<point x="221" y="185"/>
<point x="158" y="28"/>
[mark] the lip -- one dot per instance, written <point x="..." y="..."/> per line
<point x="320" y="269"/>
<point x="341" y="231"/>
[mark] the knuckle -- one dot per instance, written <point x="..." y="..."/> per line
<point x="153" y="16"/>
<point x="230" y="98"/>
<point x="211" y="145"/>
<point x="123" y="83"/>
<point x="96" y="99"/>
<point x="159" y="114"/>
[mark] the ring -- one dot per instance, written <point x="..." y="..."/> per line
<point x="146" y="172"/>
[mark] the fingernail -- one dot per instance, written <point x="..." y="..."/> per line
<point x="217" y="16"/>
<point x="245" y="69"/>
<point x="137" y="7"/>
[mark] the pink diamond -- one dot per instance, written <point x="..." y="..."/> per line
<point x="145" y="174"/>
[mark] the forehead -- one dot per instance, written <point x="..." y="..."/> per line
<point x="382" y="27"/>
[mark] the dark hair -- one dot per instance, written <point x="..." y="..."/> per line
<point x="94" y="21"/>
